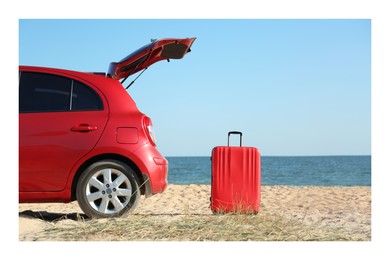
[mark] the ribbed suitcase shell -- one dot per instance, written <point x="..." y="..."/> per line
<point x="235" y="179"/>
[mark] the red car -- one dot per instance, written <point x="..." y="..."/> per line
<point x="81" y="136"/>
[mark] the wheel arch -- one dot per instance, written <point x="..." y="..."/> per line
<point x="142" y="178"/>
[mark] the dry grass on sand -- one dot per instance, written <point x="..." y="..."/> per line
<point x="182" y="213"/>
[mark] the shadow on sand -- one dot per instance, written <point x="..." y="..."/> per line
<point x="53" y="217"/>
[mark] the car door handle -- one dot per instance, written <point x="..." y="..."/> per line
<point x="84" y="128"/>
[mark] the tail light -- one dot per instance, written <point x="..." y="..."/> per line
<point x="149" y="130"/>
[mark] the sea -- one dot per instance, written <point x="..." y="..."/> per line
<point x="283" y="170"/>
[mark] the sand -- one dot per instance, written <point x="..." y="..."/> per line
<point x="347" y="209"/>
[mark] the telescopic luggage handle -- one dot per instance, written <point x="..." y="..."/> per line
<point x="236" y="133"/>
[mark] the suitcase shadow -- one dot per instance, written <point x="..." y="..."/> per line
<point x="172" y="214"/>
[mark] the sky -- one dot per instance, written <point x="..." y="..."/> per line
<point x="292" y="86"/>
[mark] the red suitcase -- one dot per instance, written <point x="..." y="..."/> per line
<point x="235" y="178"/>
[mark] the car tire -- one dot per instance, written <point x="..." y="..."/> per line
<point x="108" y="188"/>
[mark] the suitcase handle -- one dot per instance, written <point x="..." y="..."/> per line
<point x="235" y="133"/>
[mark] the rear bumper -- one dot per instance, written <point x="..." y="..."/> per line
<point x="154" y="169"/>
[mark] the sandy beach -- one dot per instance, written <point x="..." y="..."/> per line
<point x="345" y="210"/>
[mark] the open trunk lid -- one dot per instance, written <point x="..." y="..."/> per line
<point x="157" y="50"/>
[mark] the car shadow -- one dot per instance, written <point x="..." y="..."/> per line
<point x="53" y="217"/>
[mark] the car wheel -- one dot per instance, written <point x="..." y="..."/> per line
<point x="108" y="189"/>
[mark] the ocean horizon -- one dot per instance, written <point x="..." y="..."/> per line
<point x="328" y="170"/>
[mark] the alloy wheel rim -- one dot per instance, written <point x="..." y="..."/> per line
<point x="108" y="191"/>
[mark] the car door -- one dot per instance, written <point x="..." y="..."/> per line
<point x="60" y="120"/>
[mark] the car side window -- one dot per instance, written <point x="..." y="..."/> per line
<point x="40" y="92"/>
<point x="43" y="93"/>
<point x="85" y="98"/>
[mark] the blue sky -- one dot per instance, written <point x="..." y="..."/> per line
<point x="293" y="87"/>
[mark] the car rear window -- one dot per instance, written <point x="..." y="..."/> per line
<point x="41" y="92"/>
